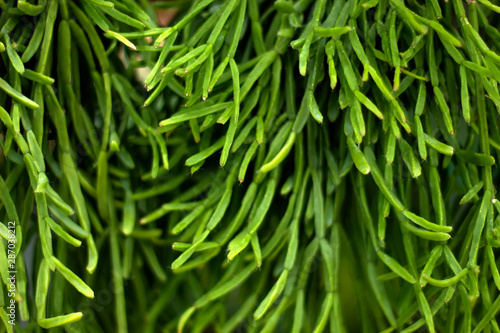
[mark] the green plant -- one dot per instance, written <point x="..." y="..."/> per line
<point x="288" y="166"/>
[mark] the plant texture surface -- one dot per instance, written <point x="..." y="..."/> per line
<point x="254" y="166"/>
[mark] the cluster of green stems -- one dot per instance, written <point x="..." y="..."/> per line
<point x="287" y="166"/>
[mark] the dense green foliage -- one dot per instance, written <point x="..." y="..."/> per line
<point x="256" y="166"/>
